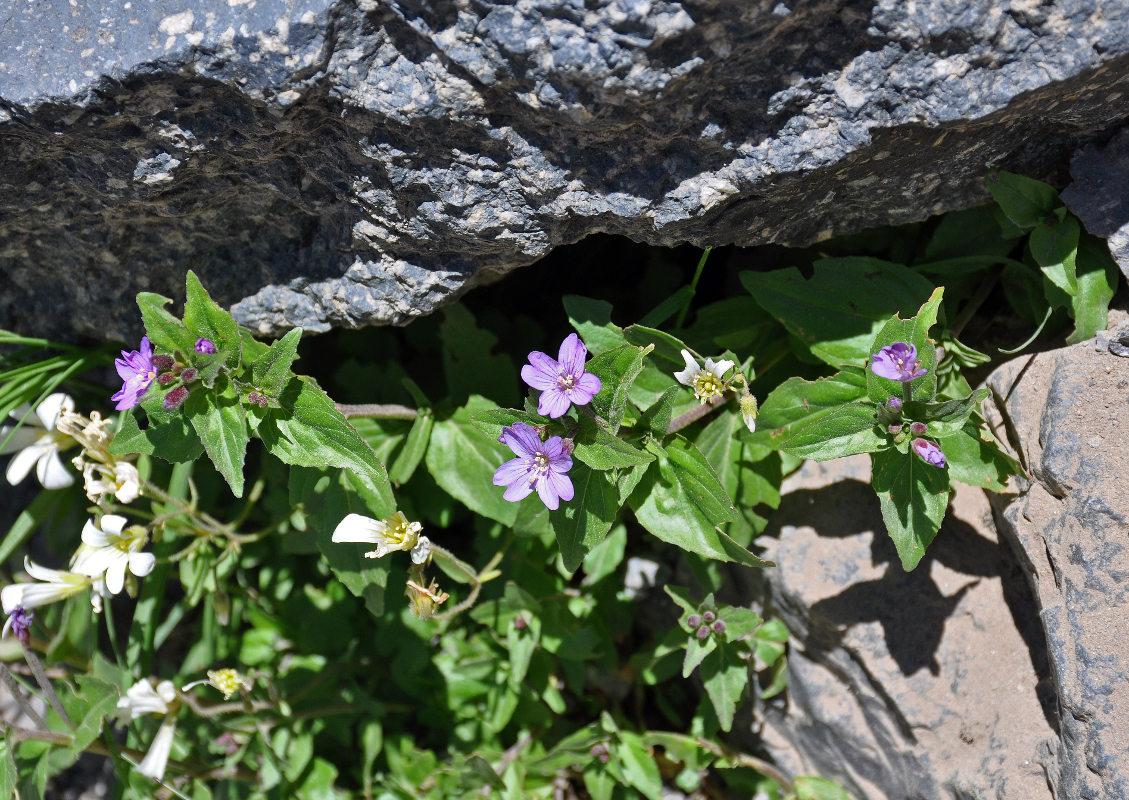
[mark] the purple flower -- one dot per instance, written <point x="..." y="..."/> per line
<point x="898" y="362"/>
<point x="562" y="381"/>
<point x="205" y="346"/>
<point x="136" y="368"/>
<point x="19" y="623"/>
<point x="930" y="453"/>
<point x="539" y="465"/>
<point x="894" y="404"/>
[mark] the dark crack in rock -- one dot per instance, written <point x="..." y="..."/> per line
<point x="1068" y="410"/>
<point x="929" y="685"/>
<point x="357" y="162"/>
<point x="1097" y="194"/>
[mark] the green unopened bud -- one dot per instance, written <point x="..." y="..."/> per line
<point x="748" y="405"/>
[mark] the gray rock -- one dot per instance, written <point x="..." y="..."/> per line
<point x="1068" y="410"/>
<point x="1096" y="193"/>
<point x="354" y="162"/>
<point x="927" y="685"/>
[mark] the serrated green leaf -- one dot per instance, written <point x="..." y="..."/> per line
<point x="415" y="446"/>
<point x="843" y="431"/>
<point x="593" y="322"/>
<point x="913" y="496"/>
<point x="798" y="413"/>
<point x="696" y="652"/>
<point x="219" y="421"/>
<point x="307" y="430"/>
<point x="463" y="460"/>
<point x="739" y="622"/>
<point x="974" y="457"/>
<point x="601" y="451"/>
<point x="204" y="318"/>
<point x="725" y="676"/>
<point x="270" y="372"/>
<point x="1025" y="201"/>
<point x="1054" y="248"/>
<point x="639" y="766"/>
<point x="166" y="332"/>
<point x="915" y="331"/>
<point x="583" y="522"/>
<point x="174" y="440"/>
<point x="1098" y="277"/>
<point x="842" y="307"/>
<point x="617" y="370"/>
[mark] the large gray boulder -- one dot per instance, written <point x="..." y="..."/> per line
<point x="350" y="162"/>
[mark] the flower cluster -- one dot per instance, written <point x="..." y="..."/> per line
<point x="138" y="370"/>
<point x="704" y="624"/>
<point x="899" y="362"/>
<point x="709" y="383"/>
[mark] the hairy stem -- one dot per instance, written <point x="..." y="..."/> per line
<point x="377" y="411"/>
<point x="694" y="414"/>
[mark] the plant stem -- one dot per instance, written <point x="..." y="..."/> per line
<point x="17" y="692"/>
<point x="45" y="684"/>
<point x="694" y="414"/>
<point x="746" y="760"/>
<point x="693" y="286"/>
<point x="377" y="411"/>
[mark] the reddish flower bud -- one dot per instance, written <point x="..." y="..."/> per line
<point x="894" y="404"/>
<point x="175" y="399"/>
<point x="165" y="378"/>
<point x="162" y="362"/>
<point x="189" y="375"/>
<point x="709" y="617"/>
<point x="930" y="453"/>
<point x="694" y="621"/>
<point x="520" y="623"/>
<point x="917" y="428"/>
<point x="703" y="632"/>
<point x="253" y="398"/>
<point x="719" y="626"/>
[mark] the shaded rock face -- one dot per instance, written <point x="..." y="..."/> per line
<point x="927" y="685"/>
<point x="348" y="163"/>
<point x="1068" y="412"/>
<point x="1097" y="195"/>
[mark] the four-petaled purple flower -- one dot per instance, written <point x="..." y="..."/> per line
<point x="930" y="453"/>
<point x="539" y="465"/>
<point x="898" y="362"/>
<point x="562" y="381"/>
<point x="205" y="346"/>
<point x="136" y="368"/>
<point x="19" y="623"/>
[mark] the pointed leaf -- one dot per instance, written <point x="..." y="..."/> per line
<point x="219" y="421"/>
<point x="270" y="372"/>
<point x="1026" y="201"/>
<point x="166" y="332"/>
<point x="583" y="522"/>
<point x="974" y="457"/>
<point x="1054" y="248"/>
<point x="617" y="370"/>
<point x="173" y="441"/>
<point x="913" y="496"/>
<point x="592" y="319"/>
<point x="204" y="318"/>
<point x="725" y="675"/>
<point x="601" y="451"/>
<point x="414" y="447"/>
<point x="1098" y="277"/>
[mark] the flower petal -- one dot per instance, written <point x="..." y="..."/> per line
<point x="541" y="372"/>
<point x="518" y="490"/>
<point x="94" y="536"/>
<point x="515" y="469"/>
<point x="719" y="368"/>
<point x="588" y="385"/>
<point x="359" y="528"/>
<point x="113" y="523"/>
<point x="572" y="355"/>
<point x="51" y="472"/>
<point x="548" y="494"/>
<point x="522" y="439"/>
<point x="141" y="564"/>
<point x="562" y="485"/>
<point x="553" y="403"/>
<point x="115" y="574"/>
<point x="686" y="376"/>
<point x="48" y="411"/>
<point x="157" y="759"/>
<point x="24" y="436"/>
<point x="23" y="461"/>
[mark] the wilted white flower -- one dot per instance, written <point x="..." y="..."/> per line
<point x="706" y="383"/>
<point x="389" y="535"/>
<point x="145" y="698"/>
<point x="119" y="479"/>
<point x="39" y="443"/>
<point x="111" y="549"/>
<point x="422" y="551"/>
<point x="50" y="586"/>
<point x="92" y="433"/>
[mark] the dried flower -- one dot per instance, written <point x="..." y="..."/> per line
<point x="137" y="370"/>
<point x="539" y="465"/>
<point x="898" y="362"/>
<point x="707" y="383"/>
<point x="930" y="453"/>
<point x="424" y="601"/>
<point x="748" y="406"/>
<point x="19" y="623"/>
<point x="39" y="443"/>
<point x="562" y="381"/>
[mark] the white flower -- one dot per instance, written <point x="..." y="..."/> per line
<point x="93" y="433"/>
<point x="39" y="443"/>
<point x="110" y="551"/>
<point x="145" y="698"/>
<point x="389" y="535"/>
<point x="51" y="586"/>
<point x="120" y="479"/>
<point x="157" y="759"/>
<point x="706" y="383"/>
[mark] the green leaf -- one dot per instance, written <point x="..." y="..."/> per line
<point x="683" y="507"/>
<point x="414" y="447"/>
<point x="915" y="331"/>
<point x="913" y="496"/>
<point x="491" y="420"/>
<point x="696" y="652"/>
<point x="1026" y="202"/>
<point x="204" y="318"/>
<point x="809" y="788"/>
<point x="843" y="431"/>
<point x="819" y="419"/>
<point x="469" y="364"/>
<point x="750" y="474"/>
<point x="1055" y="247"/>
<point x="656" y="419"/>
<point x="87" y="707"/>
<point x="583" y="522"/>
<point x="270" y="372"/>
<point x="725" y="675"/>
<point x="617" y="370"/>
<point x="219" y="421"/>
<point x="838" y="312"/>
<point x="971" y="233"/>
<point x="166" y="332"/>
<point x="974" y="457"/>
<point x="592" y="319"/>
<point x="463" y="461"/>
<point x="173" y="441"/>
<point x="677" y="301"/>
<point x="601" y="451"/>
<point x="1098" y="277"/>
<point x="947" y="416"/>
<point x="666" y="347"/>
<point x="639" y="767"/>
<point x="308" y="431"/>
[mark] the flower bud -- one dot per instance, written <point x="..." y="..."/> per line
<point x="917" y="428"/>
<point x="894" y="404"/>
<point x="694" y="621"/>
<point x="709" y="617"/>
<point x="205" y="346"/>
<point x="520" y="624"/>
<point x="600" y="752"/>
<point x="567" y="446"/>
<point x="162" y="362"/>
<point x="175" y="399"/>
<point x="748" y="406"/>
<point x="719" y="626"/>
<point x="165" y="378"/>
<point x="929" y="452"/>
<point x="894" y="428"/>
<point x="189" y="375"/>
<point x="253" y="398"/>
<point x="703" y="632"/>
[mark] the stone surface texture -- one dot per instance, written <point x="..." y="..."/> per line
<point x="349" y="162"/>
<point x="1097" y="195"/>
<point x="1068" y="412"/>
<point x="922" y="685"/>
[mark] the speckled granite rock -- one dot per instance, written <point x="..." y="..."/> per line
<point x="1097" y="194"/>
<point x="931" y="685"/>
<point x="348" y="162"/>
<point x="1069" y="411"/>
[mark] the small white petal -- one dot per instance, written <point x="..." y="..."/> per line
<point x="421" y="551"/>
<point x="51" y="472"/>
<point x="25" y="436"/>
<point x="113" y="523"/>
<point x="94" y="536"/>
<point x="720" y="368"/>
<point x="41" y="573"/>
<point x="155" y="761"/>
<point x="48" y="410"/>
<point x="359" y="528"/>
<point x="141" y="564"/>
<point x="23" y="461"/>
<point x="115" y="575"/>
<point x="686" y="376"/>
